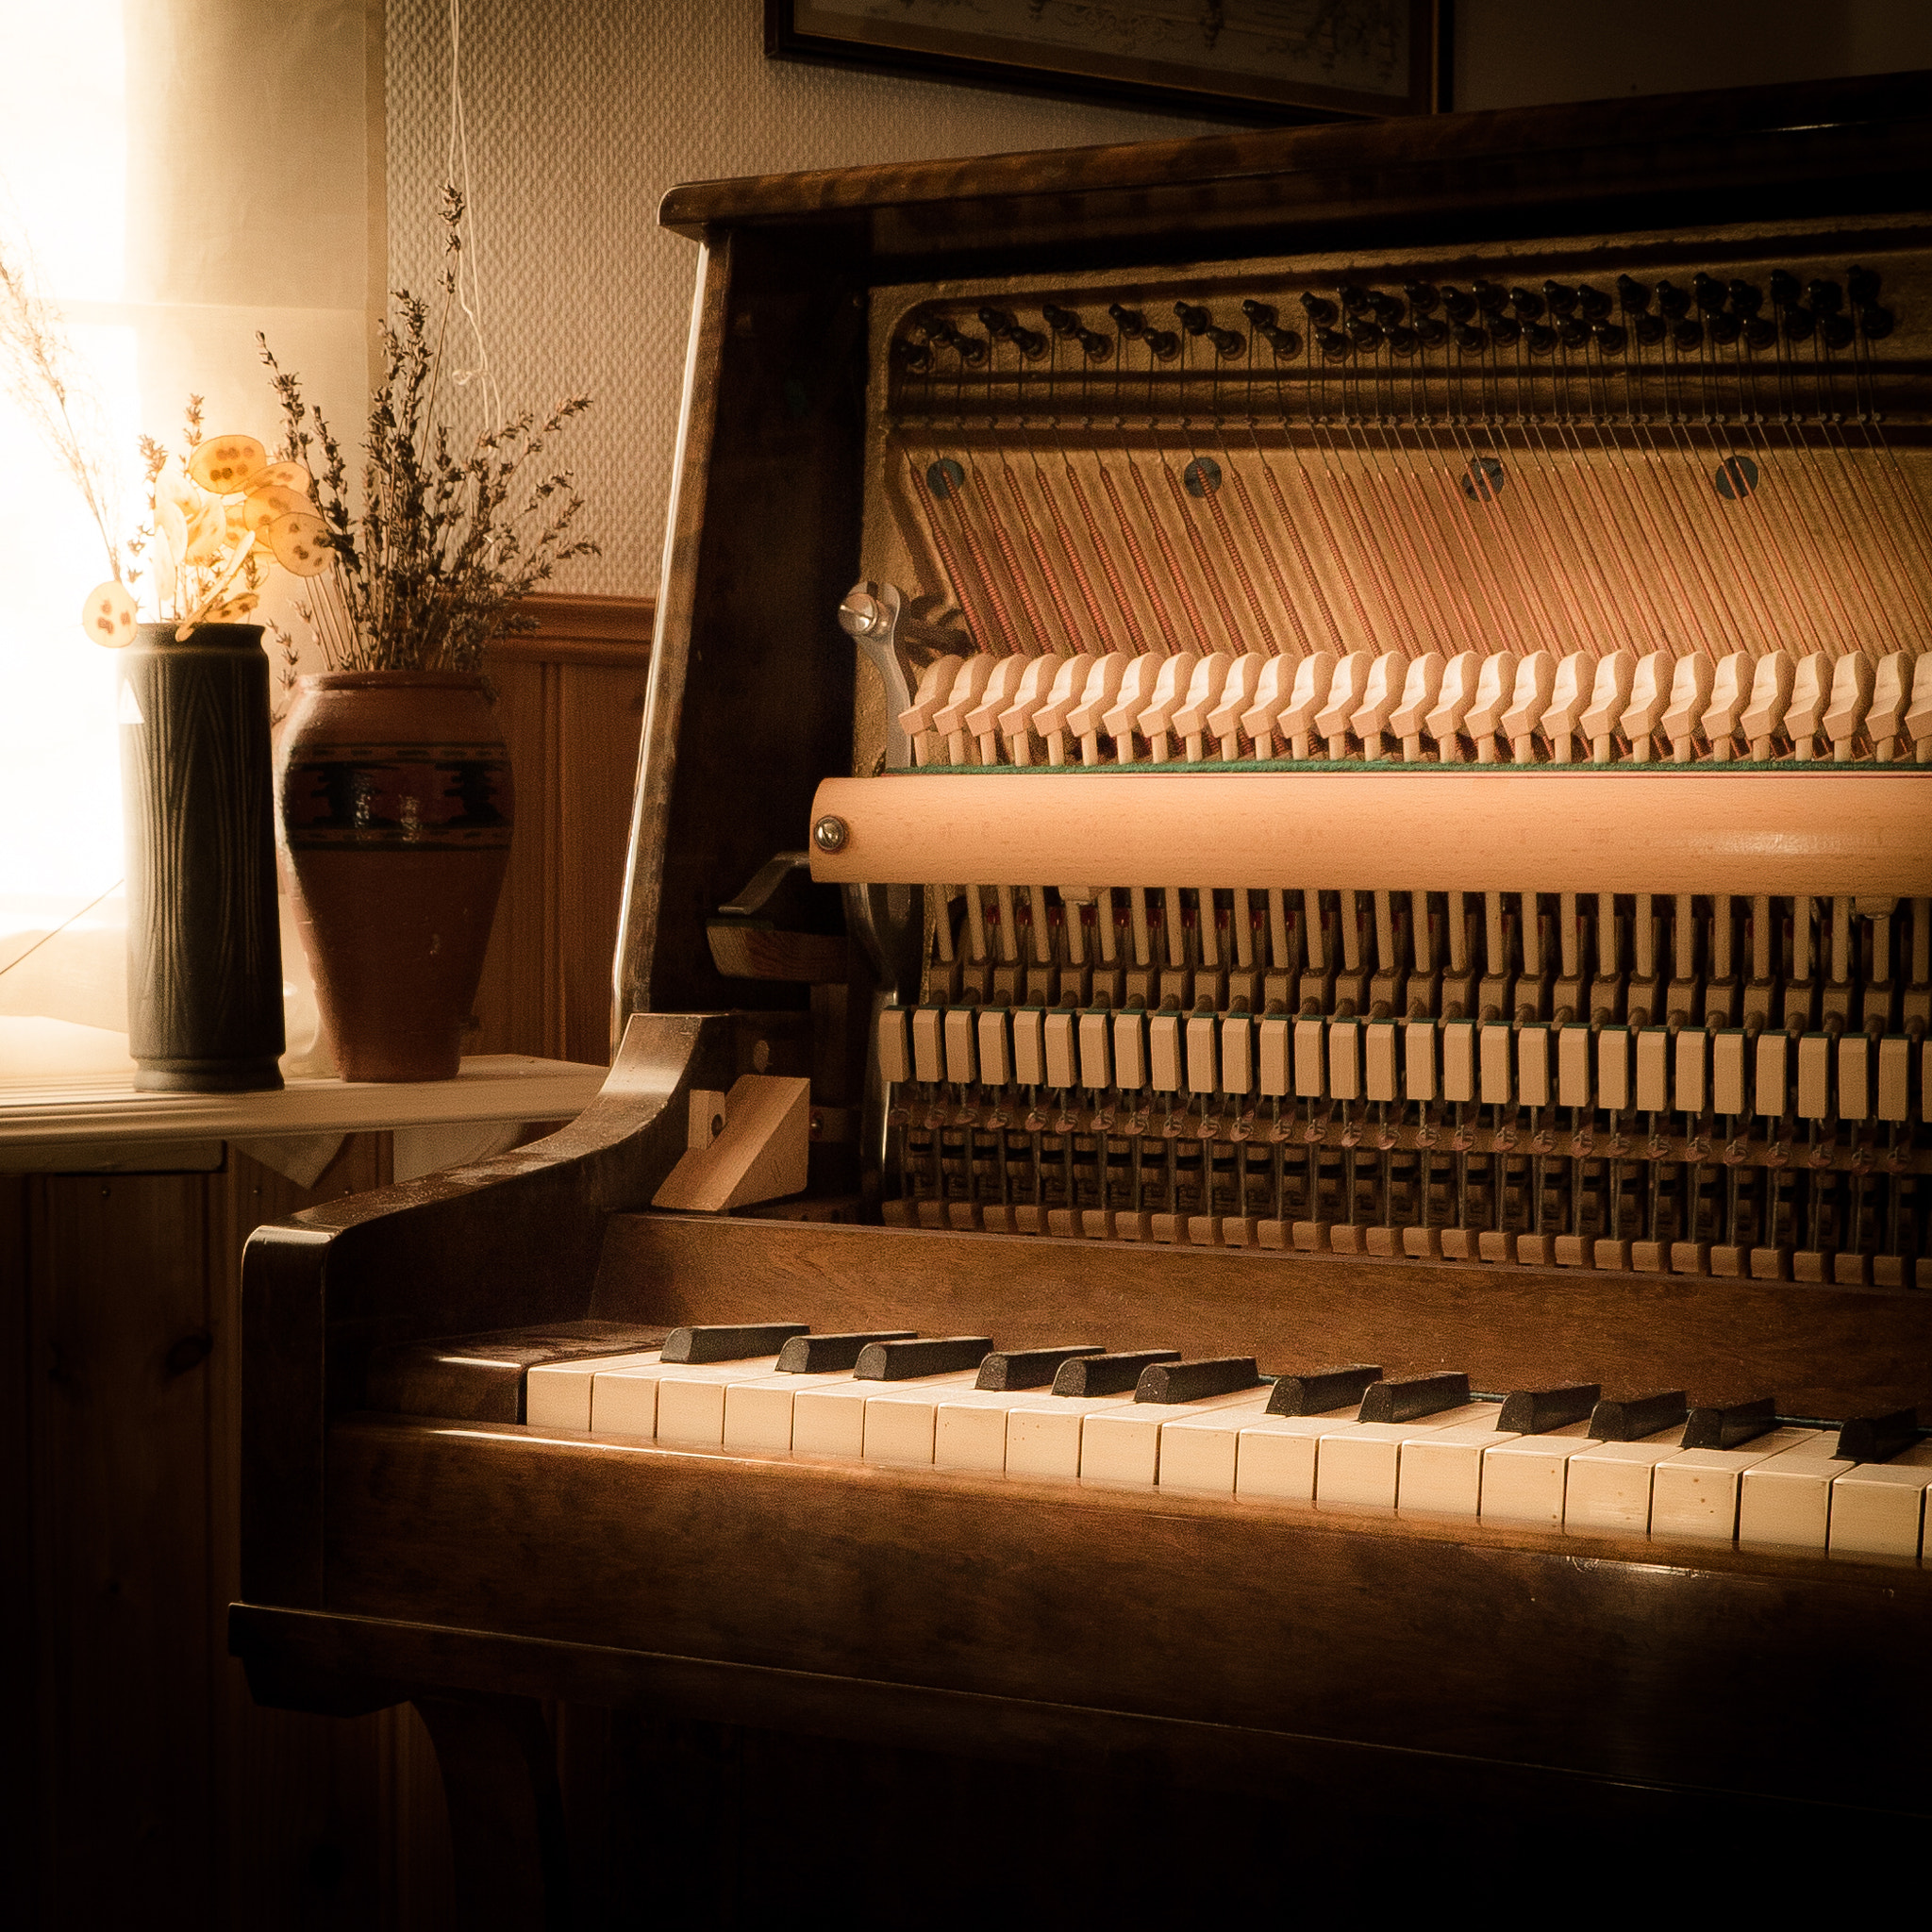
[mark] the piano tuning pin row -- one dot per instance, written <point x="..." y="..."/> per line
<point x="1354" y="320"/>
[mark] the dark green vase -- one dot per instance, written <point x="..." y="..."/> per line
<point x="204" y="946"/>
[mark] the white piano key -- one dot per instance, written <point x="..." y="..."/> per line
<point x="1692" y="1070"/>
<point x="690" y="1399"/>
<point x="1606" y="1485"/>
<point x="1380" y="1057"/>
<point x="970" y="1428"/>
<point x="1441" y="1473"/>
<point x="1459" y="1059"/>
<point x="1096" y="1061"/>
<point x="1199" y="1453"/>
<point x="1419" y="1059"/>
<point x="556" y="1395"/>
<point x="1043" y="1433"/>
<point x="830" y="1421"/>
<point x="1164" y="1051"/>
<point x="995" y="1050"/>
<point x="624" y="1401"/>
<point x="758" y="1414"/>
<point x="929" y="1043"/>
<point x="1694" y="1494"/>
<point x="1062" y="1069"/>
<point x="1274" y="1458"/>
<point x="1237" y="1054"/>
<point x="901" y="1418"/>
<point x="1276" y="1082"/>
<point x="1029" y="1048"/>
<point x="1203" y="1076"/>
<point x="1523" y="1475"/>
<point x="1123" y="1445"/>
<point x="895" y="1044"/>
<point x="1787" y="1501"/>
<point x="1360" y="1468"/>
<point x="962" y="1047"/>
<point x="1573" y="1066"/>
<point x="1344" y="1059"/>
<point x="1130" y="1049"/>
<point x="1879" y="1509"/>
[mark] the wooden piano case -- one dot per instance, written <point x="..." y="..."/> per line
<point x="1186" y="1703"/>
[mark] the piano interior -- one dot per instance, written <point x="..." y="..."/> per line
<point x="1270" y="1137"/>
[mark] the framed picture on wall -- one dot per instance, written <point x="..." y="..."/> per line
<point x="1249" y="61"/>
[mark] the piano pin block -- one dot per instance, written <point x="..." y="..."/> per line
<point x="1892" y="690"/>
<point x="1852" y="686"/>
<point x="1689" y="702"/>
<point x="1771" y="695"/>
<point x="760" y="1155"/>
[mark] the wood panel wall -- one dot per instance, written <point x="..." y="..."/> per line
<point x="572" y="701"/>
<point x="154" y="1792"/>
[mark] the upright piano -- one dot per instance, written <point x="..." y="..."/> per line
<point x="1264" y="1199"/>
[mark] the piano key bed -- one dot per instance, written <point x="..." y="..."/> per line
<point x="1153" y="1420"/>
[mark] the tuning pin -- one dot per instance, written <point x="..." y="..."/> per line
<point x="1431" y="331"/>
<point x="1571" y="333"/>
<point x="1194" y="320"/>
<point x="914" y="357"/>
<point x="1364" y="334"/>
<point x="1591" y="304"/>
<point x="1457" y="306"/>
<point x="974" y="350"/>
<point x="1541" y="339"/>
<point x="1528" y="306"/>
<point x="1688" y="335"/>
<point x="1130" y="322"/>
<point x="1861" y="285"/>
<point x="1404" y="341"/>
<point x="1649" y="329"/>
<point x="1488" y="296"/>
<point x="1320" y="310"/>
<point x="1707" y="292"/>
<point x="1874" y="322"/>
<point x="997" y="321"/>
<point x="1387" y="308"/>
<point x="1672" y="301"/>
<point x="1826" y="298"/>
<point x="1471" y="340"/>
<point x="1610" y="336"/>
<point x="1164" y="342"/>
<point x="1633" y="297"/>
<point x="1424" y="298"/>
<point x="1260" y="313"/>
<point x="1284" y="341"/>
<point x="1227" y="341"/>
<point x="1354" y="300"/>
<point x="1095" y="346"/>
<point x="1062" y="322"/>
<point x="1332" y="343"/>
<point x="1759" y="334"/>
<point x="1562" y="300"/>
<point x="1746" y="298"/>
<point x="1505" y="331"/>
<point x="1783" y="288"/>
<point x="1799" y="324"/>
<point x="1838" y="331"/>
<point x="1725" y="330"/>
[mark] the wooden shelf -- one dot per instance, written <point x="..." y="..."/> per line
<point x="493" y="1087"/>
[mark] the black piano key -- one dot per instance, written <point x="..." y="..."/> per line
<point x="1108" y="1374"/>
<point x="1631" y="1418"/>
<point x="1406" y="1397"/>
<point x="1030" y="1368"/>
<point x="1878" y="1438"/>
<point x="1728" y="1428"/>
<point x="1537" y="1411"/>
<point x="720" y="1345"/>
<point x="820" y="1355"/>
<point x="933" y="1355"/>
<point x="1324" y="1388"/>
<point x="1191" y="1381"/>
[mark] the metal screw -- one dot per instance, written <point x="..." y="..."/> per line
<point x="830" y="834"/>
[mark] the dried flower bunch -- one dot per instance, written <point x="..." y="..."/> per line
<point x="446" y="546"/>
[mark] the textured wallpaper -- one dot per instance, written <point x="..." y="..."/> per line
<point x="580" y="114"/>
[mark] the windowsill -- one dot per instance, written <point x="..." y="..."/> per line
<point x="493" y="1088"/>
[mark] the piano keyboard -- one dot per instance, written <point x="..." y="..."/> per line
<point x="1554" y="1458"/>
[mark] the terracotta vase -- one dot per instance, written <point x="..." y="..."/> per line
<point x="395" y="806"/>
<point x="204" y="951"/>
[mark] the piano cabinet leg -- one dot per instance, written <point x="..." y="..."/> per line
<point x="506" y="1813"/>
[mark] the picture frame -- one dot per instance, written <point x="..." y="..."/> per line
<point x="1260" y="62"/>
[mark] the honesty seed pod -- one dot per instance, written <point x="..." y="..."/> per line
<point x="300" y="543"/>
<point x="226" y="465"/>
<point x="109" y="614"/>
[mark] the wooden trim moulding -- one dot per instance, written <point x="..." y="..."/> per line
<point x="574" y="629"/>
